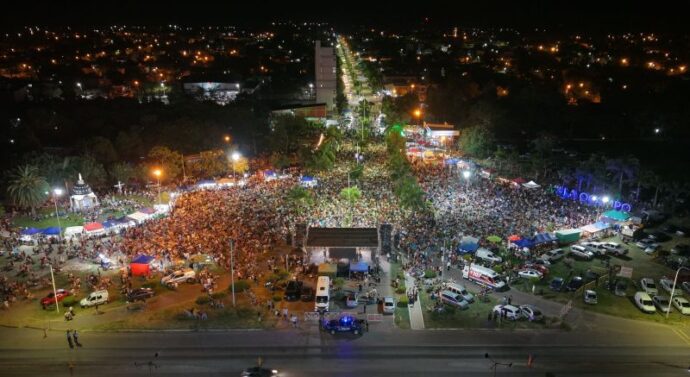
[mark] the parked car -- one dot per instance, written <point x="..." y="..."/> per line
<point x="53" y="298"/>
<point x="685" y="286"/>
<point x="293" y="290"/>
<point x="574" y="284"/>
<point x="94" y="298"/>
<point x="487" y="255"/>
<point x="615" y="248"/>
<point x="140" y="294"/>
<point x="681" y="249"/>
<point x="530" y="274"/>
<point x="345" y="323"/>
<point x="461" y="290"/>
<point x="553" y="255"/>
<point x="388" y="305"/>
<point x="557" y="284"/>
<point x="590" y="297"/>
<point x="594" y="247"/>
<point x="580" y="252"/>
<point x="531" y="312"/>
<point x="259" y="372"/>
<point x="662" y="303"/>
<point x="179" y="276"/>
<point x="510" y="312"/>
<point x="644" y="302"/>
<point x="307" y="294"/>
<point x="534" y="266"/>
<point x="454" y="299"/>
<point x="646" y="243"/>
<point x="682" y="305"/>
<point x="351" y="300"/>
<point x="649" y="286"/>
<point x="620" y="288"/>
<point x="667" y="285"/>
<point x="659" y="236"/>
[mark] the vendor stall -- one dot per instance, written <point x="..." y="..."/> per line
<point x="328" y="269"/>
<point x="141" y="265"/>
<point x="94" y="229"/>
<point x="566" y="236"/>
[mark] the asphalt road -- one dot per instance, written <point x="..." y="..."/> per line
<point x="642" y="351"/>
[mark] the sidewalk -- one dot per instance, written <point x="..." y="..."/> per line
<point x="416" y="316"/>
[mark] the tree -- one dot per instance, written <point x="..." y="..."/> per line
<point x="477" y="141"/>
<point x="167" y="160"/>
<point x="300" y="198"/>
<point x="91" y="170"/>
<point x="122" y="172"/>
<point x="240" y="166"/>
<point x="27" y="188"/>
<point x="210" y="164"/>
<point x="410" y="194"/>
<point x="279" y="160"/>
<point x="289" y="133"/>
<point x="101" y="149"/>
<point x="623" y="169"/>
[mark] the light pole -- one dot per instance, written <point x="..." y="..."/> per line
<point x="232" y="270"/>
<point x="496" y="364"/>
<point x="466" y="174"/>
<point x="158" y="173"/>
<point x="235" y="157"/>
<point x="56" y="193"/>
<point x="52" y="277"/>
<point x="673" y="289"/>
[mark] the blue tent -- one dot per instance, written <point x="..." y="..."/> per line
<point x="30" y="231"/>
<point x="468" y="245"/>
<point x="51" y="231"/>
<point x="524" y="243"/>
<point x="451" y="161"/>
<point x="109" y="223"/>
<point x="143" y="259"/>
<point x="543" y="238"/>
<point x="307" y="178"/>
<point x="360" y="266"/>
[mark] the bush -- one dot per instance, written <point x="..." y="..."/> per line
<point x="219" y="295"/>
<point x="69" y="301"/>
<point x="240" y="286"/>
<point x="400" y="290"/>
<point x="429" y="274"/>
<point x="498" y="269"/>
<point x="338" y="283"/>
<point x="203" y="300"/>
<point x="403" y="302"/>
<point x="277" y="298"/>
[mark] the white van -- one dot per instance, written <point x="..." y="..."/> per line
<point x="487" y="255"/>
<point x="483" y="276"/>
<point x="388" y="305"/>
<point x="94" y="298"/>
<point x="323" y="294"/>
<point x="644" y="302"/>
<point x="459" y="289"/>
<point x="581" y="252"/>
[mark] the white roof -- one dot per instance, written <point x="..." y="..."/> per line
<point x="139" y="216"/>
<point x="530" y="185"/>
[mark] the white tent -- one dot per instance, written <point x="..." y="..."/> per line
<point x="73" y="231"/>
<point x="530" y="185"/>
<point x="139" y="217"/>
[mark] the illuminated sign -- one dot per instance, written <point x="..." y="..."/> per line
<point x="589" y="199"/>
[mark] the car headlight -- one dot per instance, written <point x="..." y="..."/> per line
<point x="274" y="371"/>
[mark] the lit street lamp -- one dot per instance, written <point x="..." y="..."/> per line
<point x="235" y="157"/>
<point x="673" y="290"/>
<point x="57" y="192"/>
<point x="158" y="173"/>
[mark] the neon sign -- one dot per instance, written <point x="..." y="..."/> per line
<point x="589" y="199"/>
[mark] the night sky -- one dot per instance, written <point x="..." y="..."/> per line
<point x="574" y="15"/>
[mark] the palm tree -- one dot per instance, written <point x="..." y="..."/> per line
<point x="27" y="188"/>
<point x="300" y="198"/>
<point x="648" y="178"/>
<point x="622" y="169"/>
<point x="352" y="195"/>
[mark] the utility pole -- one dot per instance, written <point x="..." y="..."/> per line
<point x="52" y="277"/>
<point x="232" y="270"/>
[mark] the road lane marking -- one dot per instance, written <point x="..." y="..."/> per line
<point x="682" y="335"/>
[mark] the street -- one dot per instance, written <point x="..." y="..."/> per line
<point x="640" y="351"/>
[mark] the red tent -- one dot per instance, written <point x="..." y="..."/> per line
<point x="140" y="266"/>
<point x="92" y="227"/>
<point x="514" y="237"/>
<point x="519" y="180"/>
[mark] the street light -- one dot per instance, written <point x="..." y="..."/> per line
<point x="605" y="199"/>
<point x="158" y="173"/>
<point x="496" y="364"/>
<point x="56" y="193"/>
<point x="226" y="138"/>
<point x="673" y="289"/>
<point x="466" y="174"/>
<point x="235" y="157"/>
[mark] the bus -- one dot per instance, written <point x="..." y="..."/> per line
<point x="323" y="294"/>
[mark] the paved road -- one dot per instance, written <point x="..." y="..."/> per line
<point x="643" y="351"/>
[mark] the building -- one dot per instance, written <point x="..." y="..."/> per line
<point x="325" y="75"/>
<point x="314" y="111"/>
<point x="82" y="197"/>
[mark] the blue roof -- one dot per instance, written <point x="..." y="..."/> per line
<point x="543" y="238"/>
<point x="307" y="178"/>
<point x="524" y="243"/>
<point x="143" y="259"/>
<point x="53" y="230"/>
<point x="468" y="245"/>
<point x="30" y="231"/>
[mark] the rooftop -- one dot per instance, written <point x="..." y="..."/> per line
<point x="342" y="237"/>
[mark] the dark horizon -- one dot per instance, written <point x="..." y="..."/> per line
<point x="584" y="16"/>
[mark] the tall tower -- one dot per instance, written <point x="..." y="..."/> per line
<point x="325" y="75"/>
